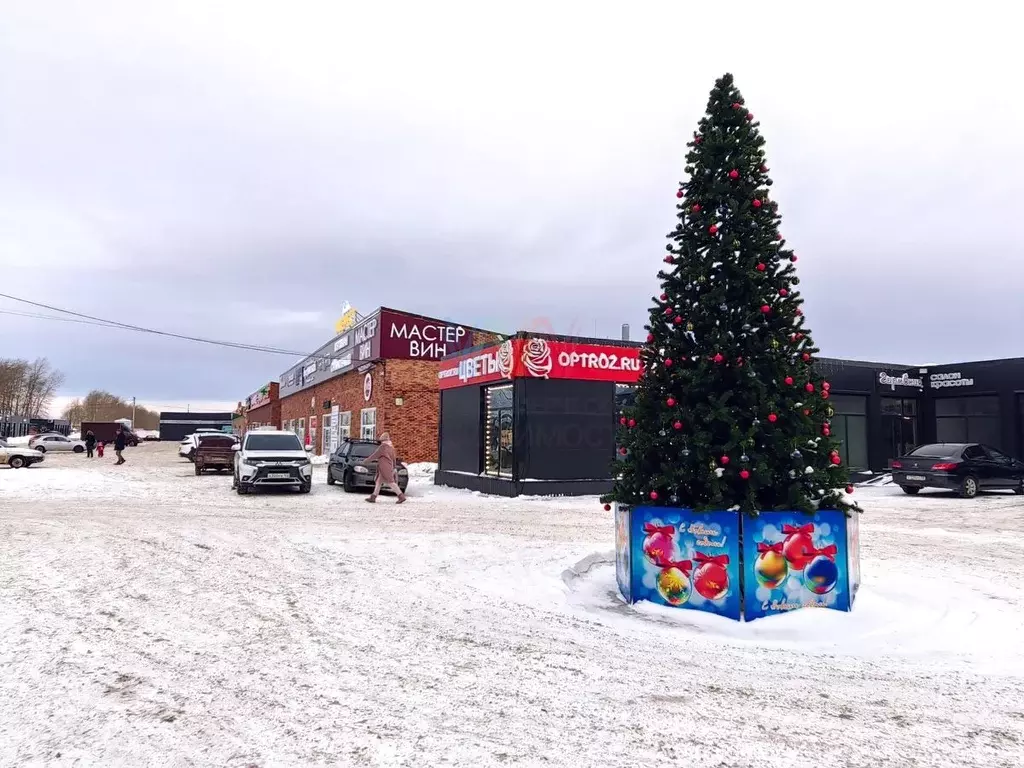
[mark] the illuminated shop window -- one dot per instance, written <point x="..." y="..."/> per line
<point x="498" y="430"/>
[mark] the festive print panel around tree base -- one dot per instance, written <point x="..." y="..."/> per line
<point x="622" y="559"/>
<point x="684" y="559"/>
<point x="792" y="561"/>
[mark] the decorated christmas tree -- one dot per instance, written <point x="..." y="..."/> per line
<point x="729" y="412"/>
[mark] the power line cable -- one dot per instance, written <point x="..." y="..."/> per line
<point x="92" y="320"/>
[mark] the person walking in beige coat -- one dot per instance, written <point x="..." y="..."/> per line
<point x="385" y="458"/>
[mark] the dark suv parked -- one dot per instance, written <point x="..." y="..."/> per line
<point x="349" y="467"/>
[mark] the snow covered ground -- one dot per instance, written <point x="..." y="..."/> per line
<point x="151" y="617"/>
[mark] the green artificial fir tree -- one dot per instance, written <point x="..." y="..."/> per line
<point x="729" y="412"/>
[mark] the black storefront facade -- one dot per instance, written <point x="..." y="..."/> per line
<point x="537" y="414"/>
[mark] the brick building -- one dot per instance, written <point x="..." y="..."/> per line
<point x="263" y="407"/>
<point x="378" y="376"/>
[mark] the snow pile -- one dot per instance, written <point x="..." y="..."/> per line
<point x="19" y="441"/>
<point x="154" y="617"/>
<point x="422" y="470"/>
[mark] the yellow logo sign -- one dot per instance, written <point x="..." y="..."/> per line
<point x="348" y="318"/>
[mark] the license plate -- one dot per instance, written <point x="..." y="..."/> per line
<point x="285" y="475"/>
<point x="916" y="477"/>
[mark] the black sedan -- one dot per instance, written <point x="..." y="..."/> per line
<point x="966" y="468"/>
<point x="349" y="466"/>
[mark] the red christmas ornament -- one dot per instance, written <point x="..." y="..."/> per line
<point x="798" y="546"/>
<point x="789" y="381"/>
<point x="670" y="402"/>
<point x="713" y="229"/>
<point x="622" y="421"/>
<point x="756" y="203"/>
<point x="668" y="362"/>
<point x="835" y="459"/>
<point x="793" y="257"/>
<point x="724" y="460"/>
<point x="783" y="292"/>
<point x="695" y="208"/>
<point x="668" y="259"/>
<point x="824" y="394"/>
<point x="778" y="236"/>
<point x="711" y="579"/>
<point x="654" y="495"/>
<point x="744" y="474"/>
<point x="764" y="169"/>
<point x="761" y="267"/>
<point x="664" y="296"/>
<point x="607" y="507"/>
<point x="622" y="450"/>
<point x="697" y="139"/>
<point x="678" y="425"/>
<point x="718" y="358"/>
<point x="632" y="422"/>
<point x="678" y="320"/>
<point x="739" y="362"/>
<point x="807" y="412"/>
<point x="849" y="489"/>
<point x="669" y="310"/>
<point x="679" y="193"/>
<point x="659" y="545"/>
<point x="806" y="357"/>
<point x="650" y="337"/>
<point x="799" y="311"/>
<point x="826" y="431"/>
<point x="736" y="105"/>
<point x="734" y="174"/>
<point x="772" y="418"/>
<point x="809" y="387"/>
<point x="765" y="309"/>
<point x="826" y="386"/>
<point x="750" y="116"/>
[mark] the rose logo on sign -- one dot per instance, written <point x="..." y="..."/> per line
<point x="537" y="358"/>
<point x="504" y="359"/>
<point x="367" y="387"/>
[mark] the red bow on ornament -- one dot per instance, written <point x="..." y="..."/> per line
<point x="829" y="551"/>
<point x="764" y="546"/>
<point x="664" y="530"/>
<point x="703" y="559"/>
<point x="686" y="566"/>
<point x="808" y="529"/>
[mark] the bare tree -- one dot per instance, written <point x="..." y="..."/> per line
<point x="100" y="405"/>
<point x="26" y="389"/>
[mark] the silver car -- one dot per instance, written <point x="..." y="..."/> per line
<point x="55" y="442"/>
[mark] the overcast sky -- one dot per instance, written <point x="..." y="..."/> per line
<point x="238" y="170"/>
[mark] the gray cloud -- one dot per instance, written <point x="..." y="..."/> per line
<point x="236" y="174"/>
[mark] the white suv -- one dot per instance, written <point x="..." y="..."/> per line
<point x="272" y="458"/>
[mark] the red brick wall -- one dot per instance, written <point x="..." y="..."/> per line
<point x="265" y="414"/>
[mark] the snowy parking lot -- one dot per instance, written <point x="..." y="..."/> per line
<point x="151" y="617"/>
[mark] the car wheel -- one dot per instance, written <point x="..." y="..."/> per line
<point x="41" y="449"/>
<point x="969" y="487"/>
<point x="306" y="487"/>
<point x="346" y="483"/>
<point x="909" y="489"/>
<point x="242" y="490"/>
<point x="79" y="449"/>
<point x="330" y="475"/>
<point x="199" y="470"/>
<point x="1019" y="490"/>
<point x="16" y="462"/>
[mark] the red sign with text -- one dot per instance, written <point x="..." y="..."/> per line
<point x="541" y="359"/>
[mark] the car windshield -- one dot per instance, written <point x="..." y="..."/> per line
<point x="938" y="451"/>
<point x="273" y="443"/>
<point x="362" y="450"/>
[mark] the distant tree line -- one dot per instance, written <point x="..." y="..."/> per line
<point x="104" y="406"/>
<point x="27" y="388"/>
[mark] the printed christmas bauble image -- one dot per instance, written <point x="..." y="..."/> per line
<point x="674" y="585"/>
<point x="659" y="544"/>
<point x="711" y="579"/>
<point x="771" y="569"/>
<point x="820" y="575"/>
<point x="798" y="546"/>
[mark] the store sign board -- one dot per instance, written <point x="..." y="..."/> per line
<point x="258" y="398"/>
<point x="902" y="382"/>
<point x="404" y="337"/>
<point x="356" y="347"/>
<point x="544" y="359"/>
<point x="950" y="379"/>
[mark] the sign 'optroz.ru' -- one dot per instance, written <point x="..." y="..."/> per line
<point x="953" y="379"/>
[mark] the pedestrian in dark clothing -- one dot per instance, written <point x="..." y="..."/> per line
<point x="90" y="443"/>
<point x="119" y="444"/>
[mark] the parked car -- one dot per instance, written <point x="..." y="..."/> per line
<point x="966" y="468"/>
<point x="106" y="430"/>
<point x="272" y="458"/>
<point x="16" y="456"/>
<point x="349" y="466"/>
<point x="56" y="442"/>
<point x="214" y="452"/>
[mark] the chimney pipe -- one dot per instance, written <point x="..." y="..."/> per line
<point x="625" y="331"/>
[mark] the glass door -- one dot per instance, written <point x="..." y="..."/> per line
<point x="899" y="426"/>
<point x="498" y="430"/>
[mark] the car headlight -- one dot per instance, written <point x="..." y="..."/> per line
<point x="360" y="469"/>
